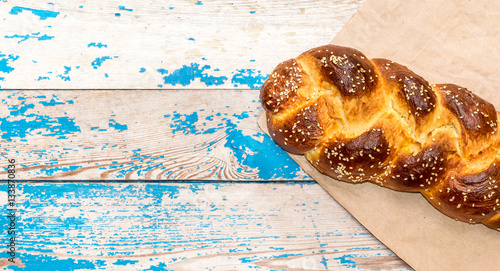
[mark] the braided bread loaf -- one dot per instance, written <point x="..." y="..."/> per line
<point x="357" y="120"/>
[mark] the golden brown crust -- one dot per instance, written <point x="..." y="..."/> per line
<point x="280" y="89"/>
<point x="410" y="87"/>
<point x="354" y="159"/>
<point x="357" y="120"/>
<point x="477" y="117"/>
<point x="346" y="68"/>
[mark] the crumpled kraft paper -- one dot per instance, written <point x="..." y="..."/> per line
<point x="445" y="41"/>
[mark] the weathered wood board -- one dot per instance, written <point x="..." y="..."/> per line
<point x="189" y="226"/>
<point x="139" y="135"/>
<point x="157" y="44"/>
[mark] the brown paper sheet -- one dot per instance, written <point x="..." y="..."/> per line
<point x="445" y="41"/>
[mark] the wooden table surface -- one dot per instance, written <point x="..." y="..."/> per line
<point x="133" y="129"/>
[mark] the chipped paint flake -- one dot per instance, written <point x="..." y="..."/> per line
<point x="40" y="13"/>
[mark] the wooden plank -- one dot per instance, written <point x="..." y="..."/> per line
<point x="157" y="44"/>
<point x="139" y="135"/>
<point x="188" y="226"/>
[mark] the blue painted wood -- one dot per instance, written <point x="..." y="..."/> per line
<point x="189" y="225"/>
<point x="180" y="44"/>
<point x="154" y="134"/>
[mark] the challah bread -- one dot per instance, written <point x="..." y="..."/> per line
<point x="358" y="119"/>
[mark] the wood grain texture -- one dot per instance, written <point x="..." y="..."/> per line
<point x="139" y="135"/>
<point x="190" y="226"/>
<point x="157" y="44"/>
<point x="196" y="66"/>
